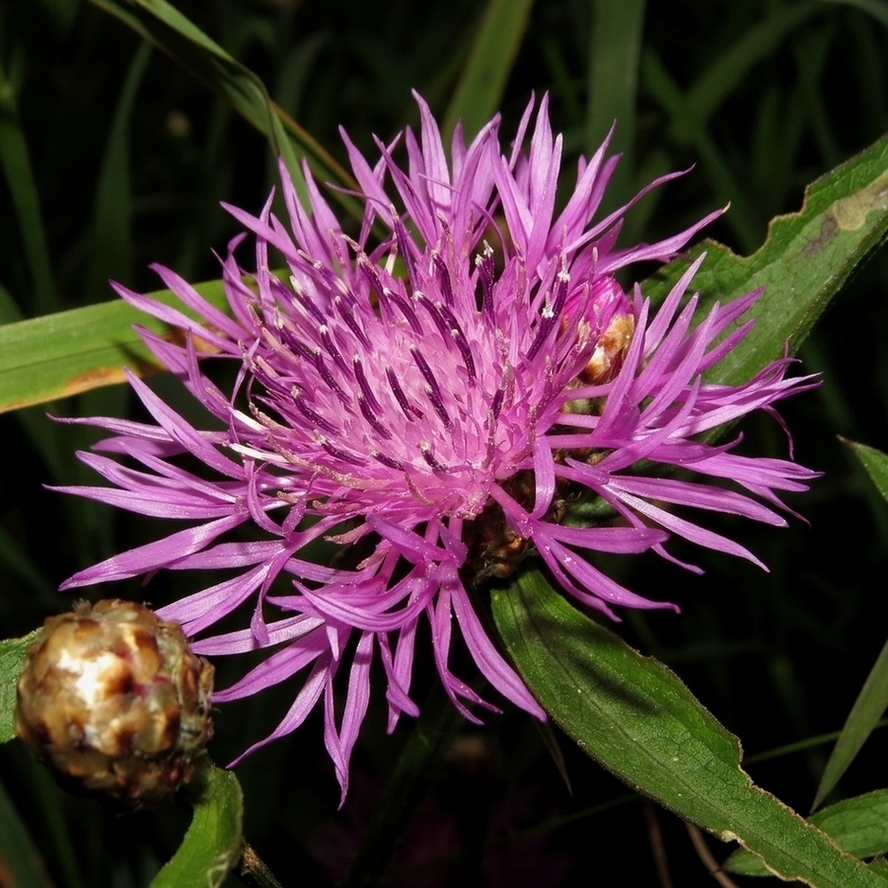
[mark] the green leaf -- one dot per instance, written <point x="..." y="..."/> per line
<point x="16" y="165"/>
<point x="635" y="717"/>
<point x="721" y="79"/>
<point x="74" y="351"/>
<point x="872" y="701"/>
<point x="803" y="263"/>
<point x="13" y="652"/>
<point x="690" y="112"/>
<point x="212" y="845"/>
<point x="876" y="464"/>
<point x="614" y="51"/>
<point x="868" y="708"/>
<point x="483" y="79"/>
<point x="112" y="250"/>
<point x="858" y="826"/>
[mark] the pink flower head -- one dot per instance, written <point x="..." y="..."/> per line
<point x="430" y="405"/>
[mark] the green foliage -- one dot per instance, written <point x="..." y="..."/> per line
<point x="481" y="84"/>
<point x="62" y="354"/>
<point x="876" y="464"/>
<point x="212" y="845"/>
<point x="872" y="701"/>
<point x="164" y="25"/>
<point x="804" y="262"/>
<point x="13" y="652"/>
<point x="635" y="717"/>
<point x="858" y="826"/>
<point x="16" y="164"/>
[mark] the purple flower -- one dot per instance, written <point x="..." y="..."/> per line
<point x="432" y="406"/>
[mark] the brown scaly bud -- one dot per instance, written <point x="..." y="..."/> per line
<point x="114" y="698"/>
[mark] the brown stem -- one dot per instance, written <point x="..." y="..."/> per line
<point x="253" y="869"/>
<point x="709" y="861"/>
<point x="658" y="846"/>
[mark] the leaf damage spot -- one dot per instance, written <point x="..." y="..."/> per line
<point x="91" y="379"/>
<point x="850" y="212"/>
<point x="828" y="229"/>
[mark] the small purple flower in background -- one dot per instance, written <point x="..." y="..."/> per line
<point x="433" y="406"/>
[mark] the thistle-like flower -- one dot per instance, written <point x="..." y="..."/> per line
<point x="432" y="405"/>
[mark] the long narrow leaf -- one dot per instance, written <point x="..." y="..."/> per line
<point x="872" y="701"/>
<point x="858" y="826"/>
<point x="74" y="351"/>
<point x="614" y="53"/>
<point x="876" y="464"/>
<point x="868" y="708"/>
<point x="802" y="265"/>
<point x="112" y="249"/>
<point x="730" y="68"/>
<point x="16" y="165"/>
<point x="483" y="79"/>
<point x="635" y="717"/>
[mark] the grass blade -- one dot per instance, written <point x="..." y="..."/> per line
<point x="74" y="351"/>
<point x="20" y="177"/>
<point x="483" y="79"/>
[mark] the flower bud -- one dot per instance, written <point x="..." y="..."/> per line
<point x="114" y="698"/>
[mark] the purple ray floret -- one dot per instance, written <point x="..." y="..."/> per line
<point x="431" y="406"/>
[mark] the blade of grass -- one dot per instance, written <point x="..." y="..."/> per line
<point x="16" y="166"/>
<point x="731" y="67"/>
<point x="614" y="52"/>
<point x="112" y="248"/>
<point x="658" y="83"/>
<point x="876" y="464"/>
<point x="868" y="708"/>
<point x="479" y="90"/>
<point x="872" y="701"/>
<point x="73" y="351"/>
